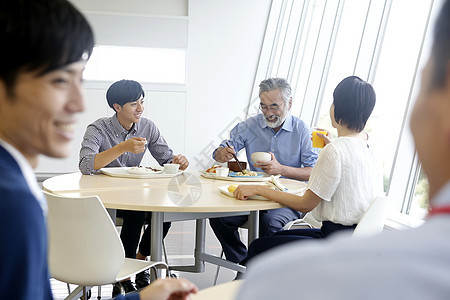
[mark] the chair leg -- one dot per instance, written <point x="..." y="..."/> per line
<point x="78" y="292"/>
<point x="165" y="252"/>
<point x="217" y="270"/>
<point x="99" y="295"/>
<point x="168" y="272"/>
<point x="68" y="288"/>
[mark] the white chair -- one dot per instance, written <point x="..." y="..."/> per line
<point x="307" y="221"/>
<point x="84" y="246"/>
<point x="372" y="222"/>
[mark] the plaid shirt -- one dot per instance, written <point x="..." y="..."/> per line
<point x="105" y="133"/>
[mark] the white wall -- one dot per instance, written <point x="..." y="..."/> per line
<point x="224" y="39"/>
<point x="138" y="7"/>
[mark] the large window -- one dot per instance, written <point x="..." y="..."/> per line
<point x="315" y="44"/>
<point x="156" y="65"/>
<point x="418" y="206"/>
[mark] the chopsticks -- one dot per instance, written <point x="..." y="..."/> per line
<point x="237" y="160"/>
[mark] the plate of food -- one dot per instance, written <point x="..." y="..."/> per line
<point x="238" y="176"/>
<point x="246" y="174"/>
<point x="293" y="189"/>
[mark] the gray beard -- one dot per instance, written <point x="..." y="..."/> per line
<point x="275" y="124"/>
<point x="279" y="121"/>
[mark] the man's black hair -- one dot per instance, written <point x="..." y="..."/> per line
<point x="42" y="36"/>
<point x="124" y="91"/>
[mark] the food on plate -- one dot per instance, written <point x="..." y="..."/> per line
<point x="247" y="173"/>
<point x="276" y="184"/>
<point x="213" y="169"/>
<point x="154" y="170"/>
<point x="232" y="187"/>
<point x="142" y="170"/>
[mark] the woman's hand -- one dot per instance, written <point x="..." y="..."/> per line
<point x="326" y="138"/>
<point x="242" y="192"/>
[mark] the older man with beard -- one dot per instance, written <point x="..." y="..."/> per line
<point x="287" y="139"/>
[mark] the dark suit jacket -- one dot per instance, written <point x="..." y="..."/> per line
<point x="23" y="238"/>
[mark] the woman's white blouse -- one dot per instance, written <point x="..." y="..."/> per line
<point x="347" y="177"/>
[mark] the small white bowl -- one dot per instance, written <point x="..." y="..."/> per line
<point x="222" y="172"/>
<point x="171" y="168"/>
<point x="261" y="156"/>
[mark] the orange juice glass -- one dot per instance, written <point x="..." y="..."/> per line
<point x="317" y="141"/>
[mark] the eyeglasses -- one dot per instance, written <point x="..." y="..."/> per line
<point x="272" y="108"/>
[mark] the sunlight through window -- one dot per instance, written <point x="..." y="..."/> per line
<point x="155" y="65"/>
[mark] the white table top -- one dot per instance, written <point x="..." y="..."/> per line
<point x="188" y="192"/>
<point x="224" y="291"/>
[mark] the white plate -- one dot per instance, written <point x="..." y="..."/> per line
<point x="123" y="172"/>
<point x="264" y="177"/>
<point x="291" y="189"/>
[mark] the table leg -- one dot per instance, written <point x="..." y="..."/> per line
<point x="200" y="236"/>
<point x="199" y="250"/>
<point x="156" y="239"/>
<point x="253" y="229"/>
<point x="112" y="214"/>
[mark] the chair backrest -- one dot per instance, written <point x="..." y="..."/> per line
<point x="84" y="247"/>
<point x="372" y="222"/>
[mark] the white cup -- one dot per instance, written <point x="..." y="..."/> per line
<point x="222" y="172"/>
<point x="171" y="168"/>
<point x="261" y="156"/>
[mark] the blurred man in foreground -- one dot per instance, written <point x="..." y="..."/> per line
<point x="45" y="47"/>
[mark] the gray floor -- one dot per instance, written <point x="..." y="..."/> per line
<point x="179" y="245"/>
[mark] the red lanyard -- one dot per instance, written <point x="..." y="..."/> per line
<point x="439" y="210"/>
